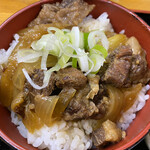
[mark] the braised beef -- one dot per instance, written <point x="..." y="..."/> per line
<point x="139" y="72"/>
<point x="101" y="102"/>
<point x="123" y="68"/>
<point x="66" y="14"/>
<point x="94" y="85"/>
<point x="80" y="107"/>
<point x="70" y="77"/>
<point x="107" y="133"/>
<point x="118" y="70"/>
<point x="46" y="15"/>
<point x="37" y="76"/>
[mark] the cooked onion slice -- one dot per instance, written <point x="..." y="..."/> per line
<point x="130" y="95"/>
<point x="64" y="98"/>
<point x="114" y="104"/>
<point x="31" y="121"/>
<point x="44" y="107"/>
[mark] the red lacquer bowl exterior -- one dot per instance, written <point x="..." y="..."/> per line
<point x="121" y="18"/>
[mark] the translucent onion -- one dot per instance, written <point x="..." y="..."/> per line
<point x="64" y="98"/>
<point x="31" y="121"/>
<point x="116" y="40"/>
<point x="130" y="95"/>
<point x="114" y="105"/>
<point x="17" y="102"/>
<point x="117" y="102"/>
<point x="44" y="107"/>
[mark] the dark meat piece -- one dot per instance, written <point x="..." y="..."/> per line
<point x="101" y="102"/>
<point x="108" y="133"/>
<point x="70" y="77"/>
<point x="73" y="13"/>
<point x="46" y="15"/>
<point x="93" y="81"/>
<point x="118" y="70"/>
<point x="123" y="68"/>
<point x="139" y="71"/>
<point x="80" y="107"/>
<point x="67" y="14"/>
<point x="37" y="76"/>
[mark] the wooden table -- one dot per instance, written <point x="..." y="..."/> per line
<point x="9" y="7"/>
<point x="135" y="5"/>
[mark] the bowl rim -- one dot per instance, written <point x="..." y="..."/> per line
<point x="142" y="133"/>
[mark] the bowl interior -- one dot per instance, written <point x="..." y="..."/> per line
<point x="121" y="19"/>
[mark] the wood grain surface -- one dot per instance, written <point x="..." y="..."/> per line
<point x="9" y="7"/>
<point x="142" y="6"/>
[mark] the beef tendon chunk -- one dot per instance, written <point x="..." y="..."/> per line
<point x="118" y="70"/>
<point x="125" y="66"/>
<point x="73" y="13"/>
<point x="101" y="100"/>
<point x="46" y="15"/>
<point x="139" y="71"/>
<point x="70" y="77"/>
<point x="66" y="14"/>
<point x="37" y="76"/>
<point x="80" y="107"/>
<point x="107" y="133"/>
<point x="94" y="84"/>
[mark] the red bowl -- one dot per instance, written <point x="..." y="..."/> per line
<point x="121" y="18"/>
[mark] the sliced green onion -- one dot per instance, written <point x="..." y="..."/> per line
<point x="83" y="63"/>
<point x="77" y="50"/>
<point x="31" y="81"/>
<point x="86" y="46"/>
<point x="96" y="36"/>
<point x="91" y="66"/>
<point x="74" y="60"/>
<point x="41" y="43"/>
<point x="67" y="64"/>
<point x="98" y="61"/>
<point x="81" y="42"/>
<point x="47" y="75"/>
<point x="54" y="29"/>
<point x="75" y="36"/>
<point x="69" y="47"/>
<point x="44" y="60"/>
<point x="99" y="50"/>
<point x="28" y="55"/>
<point x="64" y="58"/>
<point x="66" y="31"/>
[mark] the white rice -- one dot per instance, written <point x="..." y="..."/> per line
<point x="4" y="54"/>
<point x="101" y="23"/>
<point x="130" y="114"/>
<point x="61" y="136"/>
